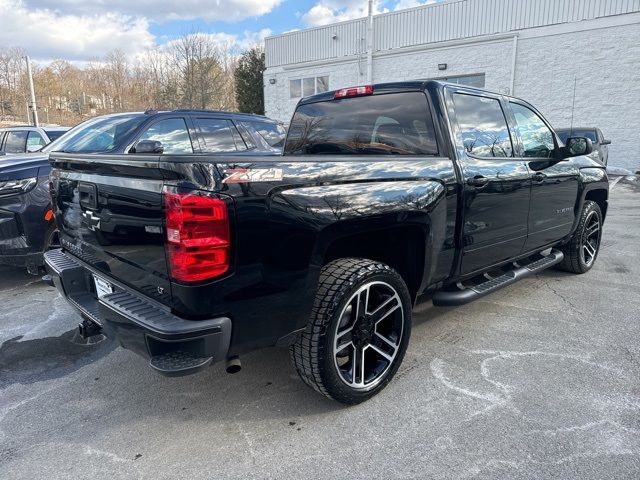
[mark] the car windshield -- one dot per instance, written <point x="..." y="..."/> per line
<point x="101" y="134"/>
<point x="576" y="132"/>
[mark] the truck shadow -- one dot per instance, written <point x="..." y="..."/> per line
<point x="14" y="277"/>
<point x="40" y="359"/>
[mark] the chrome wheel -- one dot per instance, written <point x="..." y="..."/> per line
<point x="591" y="238"/>
<point x="368" y="335"/>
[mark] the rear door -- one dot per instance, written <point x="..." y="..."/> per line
<point x="496" y="182"/>
<point x="554" y="184"/>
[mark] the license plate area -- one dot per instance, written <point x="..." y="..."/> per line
<point x="102" y="286"/>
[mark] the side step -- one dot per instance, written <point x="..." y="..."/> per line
<point x="179" y="363"/>
<point x="460" y="296"/>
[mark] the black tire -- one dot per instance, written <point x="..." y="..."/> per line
<point x="582" y="250"/>
<point x="345" y="286"/>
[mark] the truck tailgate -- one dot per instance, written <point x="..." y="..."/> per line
<point x="109" y="212"/>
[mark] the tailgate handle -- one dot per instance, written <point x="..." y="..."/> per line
<point x="88" y="195"/>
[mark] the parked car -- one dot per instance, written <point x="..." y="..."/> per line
<point x="27" y="228"/>
<point x="600" y="144"/>
<point x="28" y="139"/>
<point x="386" y="196"/>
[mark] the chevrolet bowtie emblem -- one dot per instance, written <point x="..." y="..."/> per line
<point x="91" y="220"/>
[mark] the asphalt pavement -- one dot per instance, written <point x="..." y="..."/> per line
<point x="538" y="380"/>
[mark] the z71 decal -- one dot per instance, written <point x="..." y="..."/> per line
<point x="247" y="175"/>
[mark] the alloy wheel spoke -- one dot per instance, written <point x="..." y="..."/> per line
<point x="589" y="249"/>
<point x="344" y="332"/>
<point x="593" y="229"/>
<point x="381" y="352"/>
<point x="386" y="340"/>
<point x="341" y="347"/>
<point x="383" y="311"/>
<point x="357" y="367"/>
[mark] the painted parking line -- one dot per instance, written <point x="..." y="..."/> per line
<point x="613" y="183"/>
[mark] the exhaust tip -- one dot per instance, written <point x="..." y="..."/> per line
<point x="233" y="365"/>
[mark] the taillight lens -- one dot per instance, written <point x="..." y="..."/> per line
<point x="198" y="238"/>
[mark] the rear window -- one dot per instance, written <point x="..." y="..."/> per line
<point x="389" y="124"/>
<point x="273" y="133"/>
<point x="564" y="134"/>
<point x="54" y="134"/>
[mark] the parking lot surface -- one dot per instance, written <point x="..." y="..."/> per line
<point x="538" y="380"/>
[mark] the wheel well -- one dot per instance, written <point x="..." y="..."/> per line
<point x="402" y="248"/>
<point x="600" y="197"/>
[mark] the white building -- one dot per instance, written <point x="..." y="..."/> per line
<point x="539" y="50"/>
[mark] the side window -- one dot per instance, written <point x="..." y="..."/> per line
<point x="16" y="141"/>
<point x="483" y="126"/>
<point x="217" y="135"/>
<point x="536" y="137"/>
<point x="173" y="135"/>
<point x="35" y="141"/>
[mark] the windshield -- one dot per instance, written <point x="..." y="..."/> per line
<point x="101" y="134"/>
<point x="564" y="134"/>
<point x="390" y="124"/>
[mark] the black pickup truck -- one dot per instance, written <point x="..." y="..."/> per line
<point x="386" y="196"/>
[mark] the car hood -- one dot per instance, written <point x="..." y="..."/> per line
<point x="22" y="166"/>
<point x="26" y="160"/>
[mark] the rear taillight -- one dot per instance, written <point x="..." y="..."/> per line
<point x="354" y="91"/>
<point x="198" y="238"/>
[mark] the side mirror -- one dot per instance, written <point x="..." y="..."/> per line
<point x="605" y="142"/>
<point x="147" y="146"/>
<point x="33" y="148"/>
<point x="578" y="146"/>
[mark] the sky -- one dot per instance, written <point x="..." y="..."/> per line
<point x="86" y="30"/>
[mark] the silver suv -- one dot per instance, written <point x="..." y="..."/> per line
<point x="25" y="139"/>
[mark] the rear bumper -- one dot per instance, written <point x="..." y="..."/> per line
<point x="173" y="345"/>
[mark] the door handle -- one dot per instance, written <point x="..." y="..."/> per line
<point x="539" y="177"/>
<point x="478" y="181"/>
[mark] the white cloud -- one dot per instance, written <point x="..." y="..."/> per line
<point x="46" y="34"/>
<point x="331" y="11"/>
<point x="251" y="39"/>
<point x="163" y="10"/>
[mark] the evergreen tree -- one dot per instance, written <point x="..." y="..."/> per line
<point x="248" y="79"/>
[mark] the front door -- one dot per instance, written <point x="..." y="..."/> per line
<point x="496" y="183"/>
<point x="554" y="184"/>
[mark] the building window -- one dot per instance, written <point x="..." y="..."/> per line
<point x="303" y="87"/>
<point x="468" y="80"/>
<point x="295" y="88"/>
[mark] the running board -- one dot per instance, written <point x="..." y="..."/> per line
<point x="460" y="296"/>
